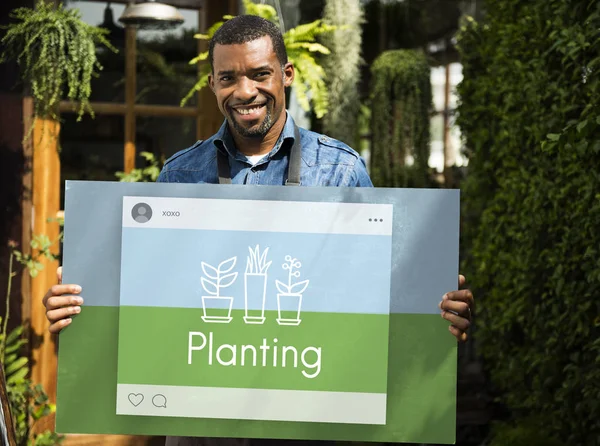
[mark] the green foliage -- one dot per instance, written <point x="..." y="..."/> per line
<point x="56" y="50"/>
<point x="145" y="174"/>
<point x="301" y="44"/>
<point x="343" y="69"/>
<point x="527" y="432"/>
<point x="529" y="113"/>
<point x="28" y="403"/>
<point x="400" y="104"/>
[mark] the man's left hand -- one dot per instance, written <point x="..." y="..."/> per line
<point x="456" y="308"/>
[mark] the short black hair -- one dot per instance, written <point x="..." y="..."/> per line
<point x="246" y="28"/>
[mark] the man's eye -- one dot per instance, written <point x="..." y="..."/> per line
<point x="262" y="74"/>
<point x="226" y="78"/>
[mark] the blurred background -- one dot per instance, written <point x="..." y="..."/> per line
<point x="499" y="98"/>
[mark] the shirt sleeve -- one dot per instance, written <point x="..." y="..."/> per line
<point x="360" y="176"/>
<point x="162" y="176"/>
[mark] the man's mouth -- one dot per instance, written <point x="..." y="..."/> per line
<point x="249" y="110"/>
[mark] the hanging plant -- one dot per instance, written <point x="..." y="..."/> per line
<point x="56" y="52"/>
<point x="400" y="104"/>
<point x="343" y="69"/>
<point x="302" y="46"/>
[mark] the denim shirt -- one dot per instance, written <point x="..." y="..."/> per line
<point x="325" y="161"/>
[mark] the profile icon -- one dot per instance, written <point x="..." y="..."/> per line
<point x="141" y="212"/>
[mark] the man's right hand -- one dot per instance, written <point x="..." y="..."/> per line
<point x="61" y="303"/>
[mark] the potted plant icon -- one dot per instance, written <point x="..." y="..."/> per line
<point x="289" y="298"/>
<point x="255" y="285"/>
<point x="217" y="308"/>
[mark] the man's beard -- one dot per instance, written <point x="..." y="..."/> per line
<point x="256" y="132"/>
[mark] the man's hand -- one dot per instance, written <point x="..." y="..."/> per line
<point x="456" y="308"/>
<point x="61" y="303"/>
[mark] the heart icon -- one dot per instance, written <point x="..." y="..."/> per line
<point x="135" y="398"/>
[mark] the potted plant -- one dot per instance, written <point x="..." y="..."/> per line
<point x="255" y="285"/>
<point x="289" y="298"/>
<point x="217" y="308"/>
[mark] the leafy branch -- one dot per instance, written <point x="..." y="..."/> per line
<point x="28" y="403"/>
<point x="302" y="47"/>
<point x="56" y="50"/>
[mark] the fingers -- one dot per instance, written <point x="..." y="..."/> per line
<point x="56" y="327"/>
<point x="58" y="302"/>
<point x="459" y="307"/>
<point x="460" y="335"/>
<point x="460" y="296"/>
<point x="62" y="313"/>
<point x="461" y="281"/>
<point x="59" y="274"/>
<point x="459" y="322"/>
<point x="55" y="297"/>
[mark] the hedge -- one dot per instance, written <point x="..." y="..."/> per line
<point x="529" y="112"/>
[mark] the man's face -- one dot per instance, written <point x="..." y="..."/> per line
<point x="249" y="85"/>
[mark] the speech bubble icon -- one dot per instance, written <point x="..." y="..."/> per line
<point x="159" y="400"/>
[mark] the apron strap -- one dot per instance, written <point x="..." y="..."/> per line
<point x="294" y="163"/>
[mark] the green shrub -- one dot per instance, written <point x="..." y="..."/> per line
<point x="530" y="115"/>
<point x="401" y="102"/>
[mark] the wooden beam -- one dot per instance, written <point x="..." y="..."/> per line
<point x="46" y="200"/>
<point x="111" y="108"/>
<point x="27" y="208"/>
<point x="130" y="93"/>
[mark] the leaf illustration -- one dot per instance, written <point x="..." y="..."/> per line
<point x="263" y="258"/>
<point x="282" y="287"/>
<point x="227" y="280"/>
<point x="209" y="286"/>
<point x="210" y="271"/>
<point x="227" y="265"/>
<point x="248" y="266"/>
<point x="299" y="287"/>
<point x="252" y="259"/>
<point x="265" y="268"/>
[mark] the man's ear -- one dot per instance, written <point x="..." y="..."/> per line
<point x="211" y="82"/>
<point x="288" y="74"/>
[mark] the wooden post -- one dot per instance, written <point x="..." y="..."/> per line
<point x="130" y="93"/>
<point x="27" y="208"/>
<point x="46" y="201"/>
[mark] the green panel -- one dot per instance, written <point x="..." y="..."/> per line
<point x="421" y="388"/>
<point x="331" y="351"/>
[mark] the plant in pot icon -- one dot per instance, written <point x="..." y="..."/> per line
<point x="255" y="285"/>
<point x="289" y="298"/>
<point x="217" y="308"/>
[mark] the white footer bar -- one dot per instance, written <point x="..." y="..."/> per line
<point x="251" y="404"/>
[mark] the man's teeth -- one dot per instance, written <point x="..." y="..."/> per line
<point x="249" y="111"/>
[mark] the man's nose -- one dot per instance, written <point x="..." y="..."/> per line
<point x="245" y="89"/>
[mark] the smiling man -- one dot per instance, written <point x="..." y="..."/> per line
<point x="258" y="143"/>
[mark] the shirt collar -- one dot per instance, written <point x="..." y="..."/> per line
<point x="224" y="141"/>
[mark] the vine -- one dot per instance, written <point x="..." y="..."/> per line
<point x="400" y="105"/>
<point x="56" y="51"/>
<point x="343" y="69"/>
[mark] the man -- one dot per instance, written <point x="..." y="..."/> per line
<point x="257" y="144"/>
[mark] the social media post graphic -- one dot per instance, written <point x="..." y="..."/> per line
<point x="254" y="310"/>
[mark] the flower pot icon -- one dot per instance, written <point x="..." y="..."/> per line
<point x="217" y="308"/>
<point x="255" y="286"/>
<point x="289" y="298"/>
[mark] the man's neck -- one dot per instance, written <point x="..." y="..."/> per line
<point x="260" y="146"/>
